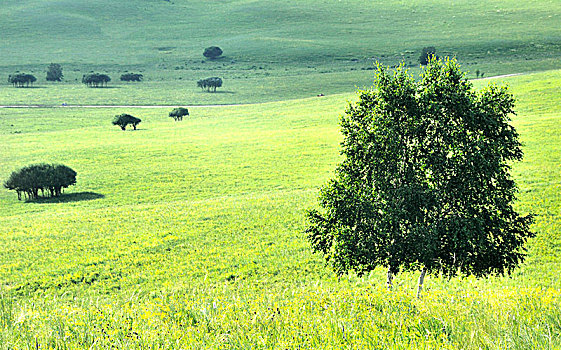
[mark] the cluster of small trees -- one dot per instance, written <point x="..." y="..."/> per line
<point x="210" y="84"/>
<point x="95" y="79"/>
<point x="21" y="79"/>
<point x="131" y="77"/>
<point x="44" y="178"/>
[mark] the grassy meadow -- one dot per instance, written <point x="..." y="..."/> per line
<point x="190" y="235"/>
<point x="187" y="235"/>
<point x="273" y="50"/>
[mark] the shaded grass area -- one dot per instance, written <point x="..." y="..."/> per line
<point x="68" y="197"/>
<point x="199" y="243"/>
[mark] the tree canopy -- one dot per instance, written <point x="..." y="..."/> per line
<point x="31" y="179"/>
<point x="122" y="120"/>
<point x="21" y="79"/>
<point x="54" y="72"/>
<point x="210" y="84"/>
<point x="425" y="180"/>
<point x="95" y="79"/>
<point x="178" y="113"/>
<point x="212" y="52"/>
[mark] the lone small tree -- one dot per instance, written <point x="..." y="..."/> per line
<point x="54" y="72"/>
<point x="212" y="52"/>
<point x="424" y="183"/>
<point x="50" y="178"/>
<point x="178" y="113"/>
<point x="426" y="54"/>
<point x="122" y="120"/>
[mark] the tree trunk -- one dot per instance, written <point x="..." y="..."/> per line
<point x="421" y="280"/>
<point x="389" y="283"/>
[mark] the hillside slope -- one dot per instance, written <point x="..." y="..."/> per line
<point x="271" y="39"/>
<point x="191" y="235"/>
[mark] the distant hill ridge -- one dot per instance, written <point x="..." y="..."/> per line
<point x="131" y="31"/>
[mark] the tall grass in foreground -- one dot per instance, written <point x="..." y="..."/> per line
<point x="346" y="315"/>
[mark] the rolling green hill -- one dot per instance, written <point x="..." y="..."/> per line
<point x="190" y="235"/>
<point x="271" y="45"/>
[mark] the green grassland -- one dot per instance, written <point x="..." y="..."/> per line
<point x="272" y="50"/>
<point x="187" y="235"/>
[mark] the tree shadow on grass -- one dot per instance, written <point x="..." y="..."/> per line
<point x="31" y="87"/>
<point x="68" y="197"/>
<point x="104" y="87"/>
<point x="224" y="92"/>
<point x="218" y="92"/>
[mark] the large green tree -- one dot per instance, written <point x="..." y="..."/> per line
<point x="424" y="183"/>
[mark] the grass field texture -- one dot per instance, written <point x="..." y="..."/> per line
<point x="190" y="235"/>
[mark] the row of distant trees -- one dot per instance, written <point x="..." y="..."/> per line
<point x="96" y="80"/>
<point x="54" y="73"/>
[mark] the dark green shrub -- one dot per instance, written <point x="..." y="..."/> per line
<point x="122" y="120"/>
<point x="178" y="113"/>
<point x="212" y="52"/>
